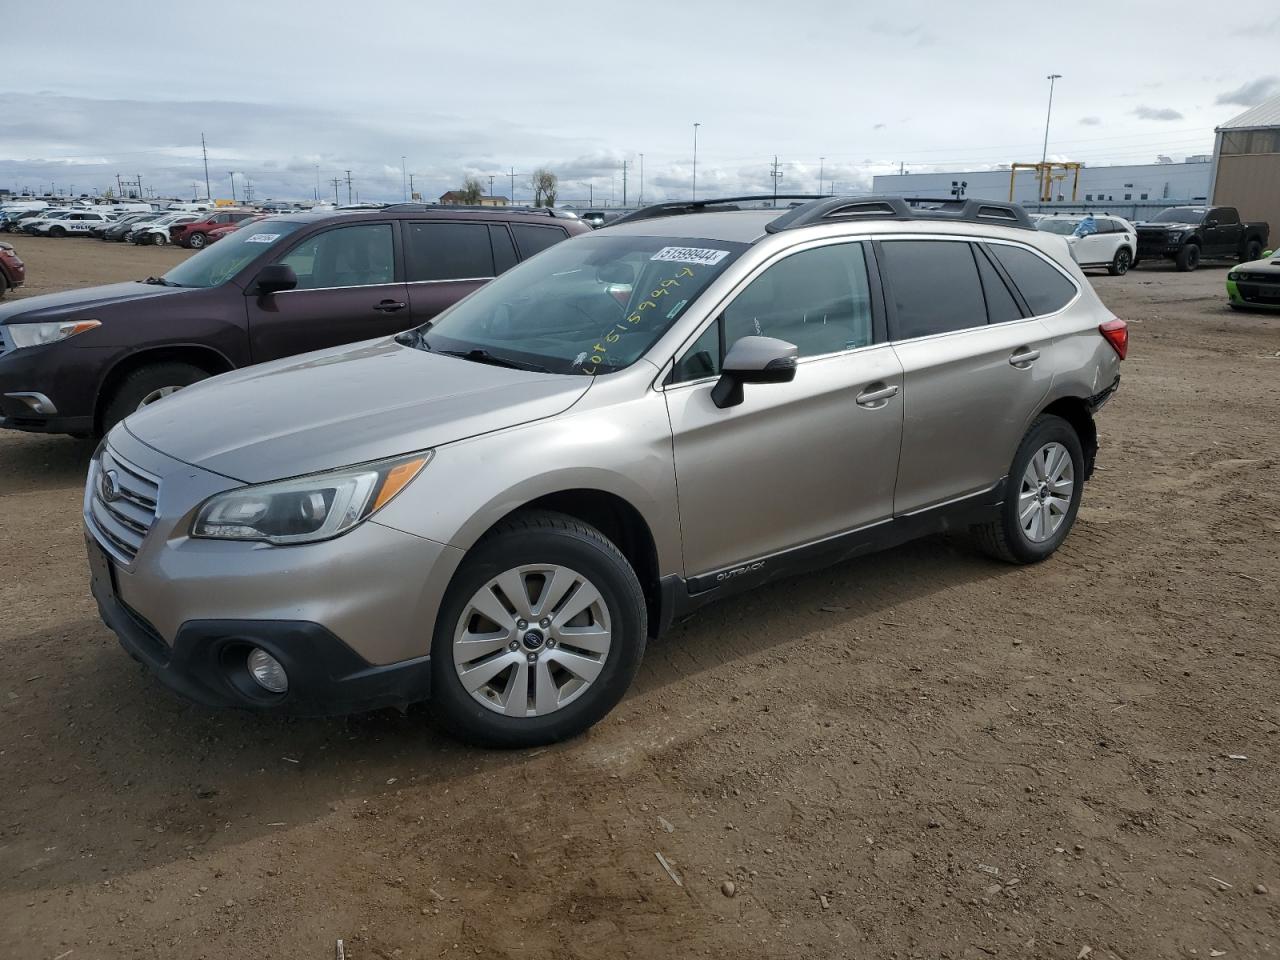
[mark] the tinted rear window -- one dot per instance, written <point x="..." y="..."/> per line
<point x="1043" y="287"/>
<point x="447" y="251"/>
<point x="1001" y="307"/>
<point x="504" y="251"/>
<point x="935" y="287"/>
<point x="533" y="239"/>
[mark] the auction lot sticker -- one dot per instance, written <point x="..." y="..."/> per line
<point x="262" y="238"/>
<point x="699" y="255"/>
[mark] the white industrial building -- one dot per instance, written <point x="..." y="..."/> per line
<point x="1158" y="184"/>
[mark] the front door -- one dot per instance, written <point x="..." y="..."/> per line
<point x="794" y="462"/>
<point x="347" y="291"/>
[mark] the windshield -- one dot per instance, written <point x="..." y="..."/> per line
<point x="585" y="306"/>
<point x="1179" y="215"/>
<point x="1062" y="227"/>
<point x="220" y="262"/>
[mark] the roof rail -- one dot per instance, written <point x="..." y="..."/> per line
<point x="902" y="208"/>
<point x="504" y="208"/>
<point x="674" y="208"/>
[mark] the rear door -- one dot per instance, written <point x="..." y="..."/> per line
<point x="349" y="289"/>
<point x="447" y="259"/>
<point x="1096" y="247"/>
<point x="1224" y="236"/>
<point x="969" y="355"/>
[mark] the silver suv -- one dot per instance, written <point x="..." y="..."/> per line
<point x="498" y="509"/>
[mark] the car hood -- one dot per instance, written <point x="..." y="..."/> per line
<point x="1268" y="265"/>
<point x="1148" y="225"/>
<point x="57" y="306"/>
<point x="343" y="406"/>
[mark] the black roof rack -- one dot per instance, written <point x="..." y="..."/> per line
<point x="902" y="208"/>
<point x="674" y="208"/>
<point x="492" y="208"/>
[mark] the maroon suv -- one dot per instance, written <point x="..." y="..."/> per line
<point x="196" y="234"/>
<point x="79" y="361"/>
<point x="13" y="272"/>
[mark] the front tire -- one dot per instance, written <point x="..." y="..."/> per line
<point x="540" y="634"/>
<point x="196" y="241"/>
<point x="1121" y="262"/>
<point x="1042" y="495"/>
<point x="1188" y="258"/>
<point x="146" y="385"/>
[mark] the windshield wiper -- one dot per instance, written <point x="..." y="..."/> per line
<point x="479" y="355"/>
<point x="161" y="282"/>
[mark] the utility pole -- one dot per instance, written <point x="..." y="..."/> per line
<point x="119" y="187"/>
<point x="624" y="183"/>
<point x="821" y="164"/>
<point x="491" y="179"/>
<point x="641" y="198"/>
<point x="348" y="187"/>
<point x="695" y="161"/>
<point x="513" y="186"/>
<point x="900" y="166"/>
<point x="404" y="177"/>
<point x="317" y="166"/>
<point x="777" y="175"/>
<point x="232" y="175"/>
<point x="1044" y="155"/>
<point x="412" y="192"/>
<point x="336" y="181"/>
<point x="208" y="190"/>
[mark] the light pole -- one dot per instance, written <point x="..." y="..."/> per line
<point x="695" y="161"/>
<point x="1044" y="155"/>
<point x="821" y="169"/>
<point x="232" y="175"/>
<point x="404" y="180"/>
<point x="317" y="166"/>
<point x="641" y="200"/>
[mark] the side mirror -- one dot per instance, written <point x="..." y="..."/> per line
<point x="273" y="278"/>
<point x="754" y="360"/>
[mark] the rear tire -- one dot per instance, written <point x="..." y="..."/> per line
<point x="1188" y="258"/>
<point x="512" y="552"/>
<point x="1008" y="538"/>
<point x="1121" y="262"/>
<point x="57" y="231"/>
<point x="1252" y="251"/>
<point x="146" y="385"/>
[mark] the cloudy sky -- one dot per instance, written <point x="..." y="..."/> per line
<point x="291" y="91"/>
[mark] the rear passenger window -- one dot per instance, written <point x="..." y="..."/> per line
<point x="448" y="251"/>
<point x="1001" y="307"/>
<point x="504" y="251"/>
<point x="935" y="287"/>
<point x="1043" y="287"/>
<point x="531" y="239"/>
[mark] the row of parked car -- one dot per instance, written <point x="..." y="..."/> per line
<point x="186" y="228"/>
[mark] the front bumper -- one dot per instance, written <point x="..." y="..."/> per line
<point x="58" y="371"/>
<point x="351" y="619"/>
<point x="1157" y="247"/>
<point x="1252" y="293"/>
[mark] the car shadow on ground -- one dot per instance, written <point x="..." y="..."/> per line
<point x="163" y="778"/>
<point x="33" y="462"/>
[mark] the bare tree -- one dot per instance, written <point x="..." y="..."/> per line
<point x="546" y="186"/>
<point x="471" y="191"/>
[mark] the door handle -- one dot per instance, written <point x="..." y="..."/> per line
<point x="875" y="395"/>
<point x="389" y="306"/>
<point x="1023" y="357"/>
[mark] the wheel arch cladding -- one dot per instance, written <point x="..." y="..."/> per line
<point x="621" y="523"/>
<point x="1076" y="412"/>
<point x="206" y="358"/>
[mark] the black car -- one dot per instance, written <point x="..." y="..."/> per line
<point x="117" y="231"/>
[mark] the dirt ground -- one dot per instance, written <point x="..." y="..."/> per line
<point x="918" y="754"/>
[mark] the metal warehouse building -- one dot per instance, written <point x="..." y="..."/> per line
<point x="1158" y="184"/>
<point x="1246" y="164"/>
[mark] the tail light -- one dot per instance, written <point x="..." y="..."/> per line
<point x="1116" y="333"/>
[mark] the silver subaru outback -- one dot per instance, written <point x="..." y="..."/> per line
<point x="498" y="509"/>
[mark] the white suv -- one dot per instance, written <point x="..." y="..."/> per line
<point x="1114" y="245"/>
<point x="77" y="221"/>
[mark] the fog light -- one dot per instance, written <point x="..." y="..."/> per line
<point x="267" y="671"/>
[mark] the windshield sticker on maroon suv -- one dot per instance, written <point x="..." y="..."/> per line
<point x="262" y="238"/>
<point x="699" y="255"/>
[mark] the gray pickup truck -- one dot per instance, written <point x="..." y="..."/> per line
<point x="1187" y="235"/>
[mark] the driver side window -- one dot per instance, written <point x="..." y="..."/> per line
<point x="817" y="299"/>
<point x="355" y="256"/>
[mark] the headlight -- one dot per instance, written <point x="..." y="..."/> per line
<point x="35" y="334"/>
<point x="1175" y="234"/>
<point x="1233" y="276"/>
<point x="306" y="509"/>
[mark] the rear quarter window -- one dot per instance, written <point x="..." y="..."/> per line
<point x="533" y="239"/>
<point x="1045" y="288"/>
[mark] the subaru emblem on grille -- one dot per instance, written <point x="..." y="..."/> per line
<point x="109" y="486"/>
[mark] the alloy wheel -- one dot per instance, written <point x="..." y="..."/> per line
<point x="158" y="394"/>
<point x="532" y="640"/>
<point x="1048" y="485"/>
